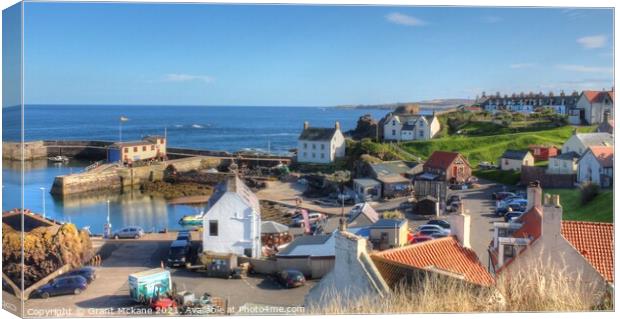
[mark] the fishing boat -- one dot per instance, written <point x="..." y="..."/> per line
<point x="59" y="159"/>
<point x="191" y="220"/>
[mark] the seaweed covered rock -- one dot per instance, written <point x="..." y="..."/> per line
<point x="45" y="250"/>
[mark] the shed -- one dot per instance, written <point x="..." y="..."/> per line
<point x="367" y="188"/>
<point x="427" y="205"/>
<point x="514" y="159"/>
<point x="389" y="233"/>
<point x="363" y="216"/>
<point x="314" y="256"/>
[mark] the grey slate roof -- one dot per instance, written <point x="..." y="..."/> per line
<point x="317" y="134"/>
<point x="304" y="241"/>
<point x="388" y="223"/>
<point x="513" y="154"/>
<point x="234" y="185"/>
<point x="366" y="182"/>
<point x="596" y="139"/>
<point x="392" y="168"/>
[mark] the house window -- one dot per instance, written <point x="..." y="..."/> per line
<point x="135" y="148"/>
<point x="322" y="146"/>
<point x="305" y="154"/>
<point x="505" y="162"/>
<point x="322" y="155"/>
<point x="126" y="150"/>
<point x="509" y="251"/>
<point x="313" y="146"/>
<point x="143" y="148"/>
<point x="393" y="122"/>
<point x="421" y="133"/>
<point x="152" y="147"/>
<point x="313" y="155"/>
<point x="305" y="145"/>
<point x="393" y="132"/>
<point x="213" y="228"/>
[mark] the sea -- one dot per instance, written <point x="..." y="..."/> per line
<point x="226" y="128"/>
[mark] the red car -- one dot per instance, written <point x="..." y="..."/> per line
<point x="162" y="303"/>
<point x="420" y="239"/>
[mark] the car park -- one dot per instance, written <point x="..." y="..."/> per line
<point x="291" y="278"/>
<point x="178" y="254"/>
<point x="129" y="232"/>
<point x="501" y="195"/>
<point x="63" y="286"/>
<point x="88" y="273"/>
<point x="439" y="222"/>
<point x="312" y="218"/>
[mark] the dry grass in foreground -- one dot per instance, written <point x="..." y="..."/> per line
<point x="535" y="291"/>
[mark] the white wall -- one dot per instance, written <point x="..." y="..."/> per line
<point x="589" y="169"/>
<point x="392" y="128"/>
<point x="322" y="152"/>
<point x="559" y="166"/>
<point x="574" y="144"/>
<point x="238" y="227"/>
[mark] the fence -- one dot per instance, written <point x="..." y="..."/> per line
<point x="535" y="173"/>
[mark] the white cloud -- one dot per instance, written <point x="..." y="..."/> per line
<point x="404" y="19"/>
<point x="593" y="41"/>
<point x="584" y="68"/>
<point x="522" y="65"/>
<point x="180" y="77"/>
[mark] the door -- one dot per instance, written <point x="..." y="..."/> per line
<point x="454" y="171"/>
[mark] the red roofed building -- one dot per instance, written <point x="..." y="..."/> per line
<point x="449" y="166"/>
<point x="591" y="107"/>
<point x="444" y="256"/>
<point x="543" y="152"/>
<point x="540" y="239"/>
<point x="597" y="166"/>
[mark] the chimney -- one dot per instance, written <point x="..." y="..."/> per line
<point x="552" y="218"/>
<point x="534" y="196"/>
<point x="460" y="225"/>
<point x="337" y="125"/>
<point x="306" y="125"/>
<point x="348" y="249"/>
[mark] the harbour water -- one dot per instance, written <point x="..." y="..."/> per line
<point x="214" y="128"/>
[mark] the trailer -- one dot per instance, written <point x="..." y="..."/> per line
<point x="147" y="285"/>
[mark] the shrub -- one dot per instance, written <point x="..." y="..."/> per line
<point x="393" y="214"/>
<point x="589" y="192"/>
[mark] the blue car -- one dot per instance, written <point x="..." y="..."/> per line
<point x="70" y="285"/>
<point x="88" y="273"/>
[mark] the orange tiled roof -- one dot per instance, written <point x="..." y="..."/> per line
<point x="595" y="241"/>
<point x="531" y="224"/>
<point x="604" y="155"/>
<point x="598" y="96"/>
<point x="445" y="254"/>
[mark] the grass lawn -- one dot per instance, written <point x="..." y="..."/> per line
<point x="490" y="148"/>
<point x="600" y="209"/>
<point x="499" y="176"/>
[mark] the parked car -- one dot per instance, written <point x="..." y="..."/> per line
<point x="129" y="232"/>
<point x="178" y="254"/>
<point x="486" y="165"/>
<point x="453" y="207"/>
<point x="184" y="235"/>
<point x="441" y="223"/>
<point x="453" y="198"/>
<point x="515" y="202"/>
<point x="291" y="278"/>
<point x="428" y="232"/>
<point x="312" y="218"/>
<point x="458" y="186"/>
<point x="439" y="235"/>
<point x="63" y="286"/>
<point x="436" y="227"/>
<point x="88" y="273"/>
<point x="420" y="239"/>
<point x="513" y="216"/>
<point x="501" y="195"/>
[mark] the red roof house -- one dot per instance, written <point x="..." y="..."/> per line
<point x="450" y="166"/>
<point x="543" y="152"/>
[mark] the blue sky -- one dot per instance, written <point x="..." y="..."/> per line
<point x="306" y="55"/>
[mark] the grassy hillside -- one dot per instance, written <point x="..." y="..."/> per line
<point x="489" y="148"/>
<point x="600" y="209"/>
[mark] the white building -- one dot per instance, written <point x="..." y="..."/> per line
<point x="232" y="221"/>
<point x="410" y="127"/>
<point x="320" y="145"/>
<point x="580" y="142"/>
<point x="591" y="107"/>
<point x="597" y="166"/>
<point x="565" y="163"/>
<point x="514" y="159"/>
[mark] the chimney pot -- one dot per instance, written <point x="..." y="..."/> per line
<point x="337" y="125"/>
<point x="556" y="201"/>
<point x="534" y="195"/>
<point x="547" y="200"/>
<point x="306" y="125"/>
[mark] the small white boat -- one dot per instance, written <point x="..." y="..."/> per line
<point x="58" y="158"/>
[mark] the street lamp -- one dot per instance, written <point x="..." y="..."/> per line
<point x="43" y="200"/>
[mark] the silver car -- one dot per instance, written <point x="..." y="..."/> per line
<point x="129" y="232"/>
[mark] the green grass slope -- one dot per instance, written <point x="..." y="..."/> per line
<point x="600" y="209"/>
<point x="490" y="148"/>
